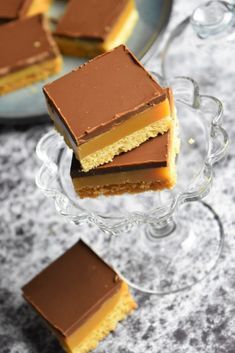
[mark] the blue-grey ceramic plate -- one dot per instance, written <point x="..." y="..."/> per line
<point x="27" y="105"/>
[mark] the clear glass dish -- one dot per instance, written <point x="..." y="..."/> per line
<point x="157" y="244"/>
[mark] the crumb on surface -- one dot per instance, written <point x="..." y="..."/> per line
<point x="191" y="141"/>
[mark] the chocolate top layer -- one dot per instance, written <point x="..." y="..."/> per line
<point x="90" y="19"/>
<point x="151" y="154"/>
<point x="72" y="288"/>
<point x="102" y="93"/>
<point x="24" y="43"/>
<point x="13" y="9"/>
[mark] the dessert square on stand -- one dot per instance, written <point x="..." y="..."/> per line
<point x="108" y="106"/>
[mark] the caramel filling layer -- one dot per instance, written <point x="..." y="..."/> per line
<point x="72" y="342"/>
<point x="119" y="34"/>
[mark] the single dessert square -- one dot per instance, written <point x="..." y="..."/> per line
<point x="108" y="106"/>
<point x="28" y="53"/>
<point x="150" y="166"/>
<point x="80" y="297"/>
<point x="15" y="9"/>
<point x="92" y="27"/>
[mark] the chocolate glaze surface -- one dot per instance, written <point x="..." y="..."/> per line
<point x="150" y="154"/>
<point x="13" y="9"/>
<point x="25" y="42"/>
<point x="102" y="93"/>
<point x="90" y="19"/>
<point x="72" y="288"/>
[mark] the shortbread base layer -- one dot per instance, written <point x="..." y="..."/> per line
<point x="29" y="75"/>
<point x="130" y="188"/>
<point x="124" y="305"/>
<point x="85" y="48"/>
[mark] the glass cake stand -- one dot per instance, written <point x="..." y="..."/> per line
<point x="159" y="242"/>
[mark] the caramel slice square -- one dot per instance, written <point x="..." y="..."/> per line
<point x="107" y="24"/>
<point x="80" y="297"/>
<point x="108" y="106"/>
<point x="28" y="53"/>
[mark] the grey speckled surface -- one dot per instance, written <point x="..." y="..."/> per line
<point x="32" y="235"/>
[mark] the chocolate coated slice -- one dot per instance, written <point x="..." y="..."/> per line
<point x="72" y="288"/>
<point x="100" y="18"/>
<point x="13" y="9"/>
<point x="25" y="42"/>
<point x="103" y="93"/>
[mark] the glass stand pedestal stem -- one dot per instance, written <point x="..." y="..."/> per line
<point x="168" y="257"/>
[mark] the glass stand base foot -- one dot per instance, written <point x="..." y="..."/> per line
<point x="164" y="265"/>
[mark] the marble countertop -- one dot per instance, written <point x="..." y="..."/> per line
<point x="32" y="234"/>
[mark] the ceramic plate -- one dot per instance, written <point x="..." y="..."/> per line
<point x="27" y="105"/>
